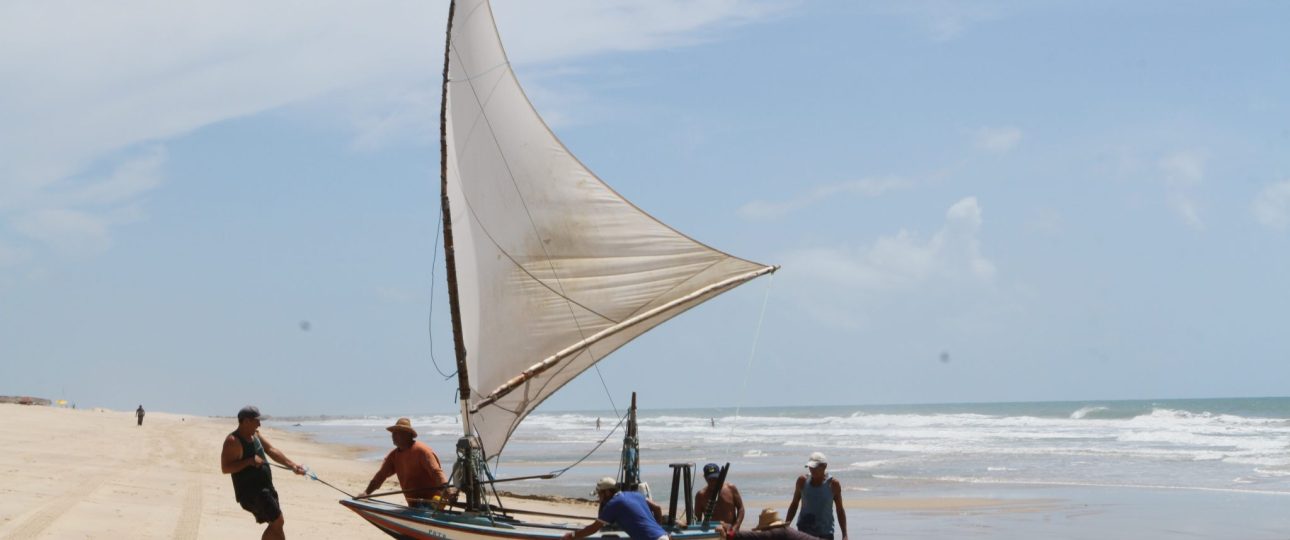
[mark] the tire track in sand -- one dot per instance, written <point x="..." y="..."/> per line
<point x="188" y="455"/>
<point x="190" y="517"/>
<point x="39" y="520"/>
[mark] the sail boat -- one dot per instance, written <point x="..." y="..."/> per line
<point x="549" y="271"/>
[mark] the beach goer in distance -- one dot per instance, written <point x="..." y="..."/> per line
<point x="246" y="456"/>
<point x="769" y="527"/>
<point x="730" y="505"/>
<point x="417" y="466"/>
<point x="816" y="492"/>
<point x="627" y="510"/>
<point x="139" y="414"/>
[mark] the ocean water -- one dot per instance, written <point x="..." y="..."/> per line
<point x="1214" y="445"/>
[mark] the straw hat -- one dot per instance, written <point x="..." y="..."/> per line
<point x="606" y="483"/>
<point x="403" y="424"/>
<point x="769" y="519"/>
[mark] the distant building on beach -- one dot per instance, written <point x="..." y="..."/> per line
<point x="25" y="400"/>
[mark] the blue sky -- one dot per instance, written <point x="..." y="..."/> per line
<point x="986" y="201"/>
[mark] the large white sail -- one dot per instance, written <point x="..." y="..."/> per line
<point x="554" y="269"/>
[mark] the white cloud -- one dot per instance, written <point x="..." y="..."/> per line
<point x="899" y="278"/>
<point x="1272" y="205"/>
<point x="866" y="187"/>
<point x="904" y="260"/>
<point x="81" y="88"/>
<point x="999" y="140"/>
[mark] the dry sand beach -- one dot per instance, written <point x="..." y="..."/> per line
<point x="95" y="474"/>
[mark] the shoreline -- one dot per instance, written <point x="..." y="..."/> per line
<point x="92" y="473"/>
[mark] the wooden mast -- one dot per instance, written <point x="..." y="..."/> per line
<point x="467" y="449"/>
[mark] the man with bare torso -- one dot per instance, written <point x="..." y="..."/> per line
<point x="729" y="508"/>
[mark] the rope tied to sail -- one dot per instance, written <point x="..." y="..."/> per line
<point x="752" y="354"/>
<point x="434" y="263"/>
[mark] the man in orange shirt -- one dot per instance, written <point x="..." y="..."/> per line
<point x="415" y="464"/>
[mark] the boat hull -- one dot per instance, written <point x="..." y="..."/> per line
<point x="420" y="524"/>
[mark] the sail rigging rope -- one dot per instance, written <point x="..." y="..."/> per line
<point x="434" y="261"/>
<point x="313" y="476"/>
<point x="558" y="473"/>
<point x="753" y="353"/>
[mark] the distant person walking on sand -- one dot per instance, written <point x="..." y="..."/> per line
<point x="816" y="492"/>
<point x="769" y="527"/>
<point x="627" y="510"/>
<point x="137" y="412"/>
<point x="416" y="465"/>
<point x="246" y="456"/>
<point x="730" y="505"/>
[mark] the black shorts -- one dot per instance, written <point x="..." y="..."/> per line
<point x="263" y="505"/>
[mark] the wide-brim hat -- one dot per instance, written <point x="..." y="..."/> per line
<point x="403" y="424"/>
<point x="769" y="519"/>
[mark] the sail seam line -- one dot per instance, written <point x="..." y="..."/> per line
<point x="572" y="350"/>
<point x="673" y="288"/>
<point x="471" y="207"/>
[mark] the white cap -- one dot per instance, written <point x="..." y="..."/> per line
<point x="816" y="460"/>
<point x="606" y="483"/>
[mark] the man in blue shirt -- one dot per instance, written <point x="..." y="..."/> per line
<point x="627" y="510"/>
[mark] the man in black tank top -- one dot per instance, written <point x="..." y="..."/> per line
<point x="245" y="456"/>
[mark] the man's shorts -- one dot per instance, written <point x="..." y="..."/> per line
<point x="263" y="505"/>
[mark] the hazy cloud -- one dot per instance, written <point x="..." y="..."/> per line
<point x="1045" y="221"/>
<point x="130" y="180"/>
<point x="945" y="20"/>
<point x="1272" y="205"/>
<point x="867" y="187"/>
<point x="1185" y="207"/>
<point x="1183" y="171"/>
<point x="999" y="140"/>
<point x="69" y="232"/>
<point x="1183" y="168"/>
<point x="10" y="255"/>
<point x="76" y="220"/>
